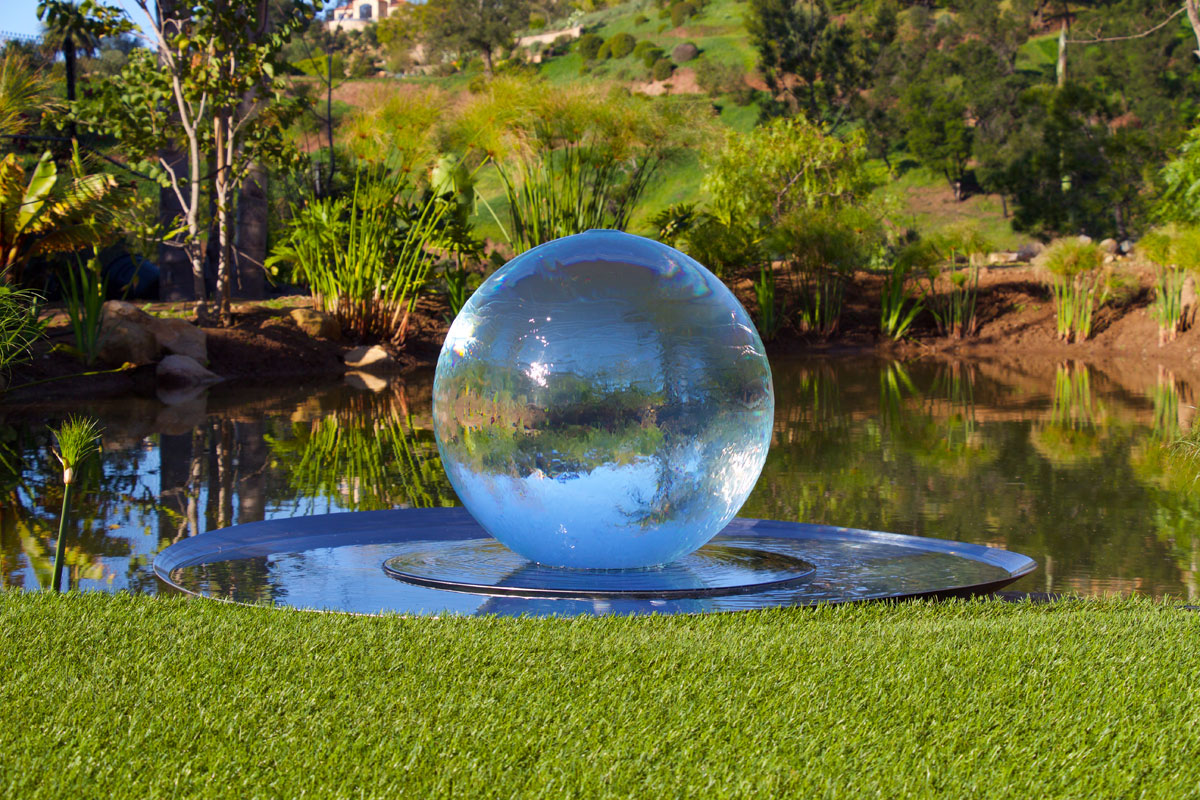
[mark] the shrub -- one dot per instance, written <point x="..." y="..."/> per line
<point x="1076" y="278"/>
<point x="536" y="22"/>
<point x="685" y="52"/>
<point x="604" y="53"/>
<point x="622" y="44"/>
<point x="662" y="69"/>
<point x="589" y="45"/>
<point x="715" y="78"/>
<point x="651" y="55"/>
<point x="640" y="50"/>
<point x="640" y="19"/>
<point x="681" y="12"/>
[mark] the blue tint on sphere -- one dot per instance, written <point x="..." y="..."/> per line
<point x="603" y="401"/>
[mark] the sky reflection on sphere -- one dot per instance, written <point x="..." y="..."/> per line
<point x="603" y="401"/>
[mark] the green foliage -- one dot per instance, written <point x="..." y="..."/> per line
<point x="938" y="133"/>
<point x="785" y="165"/>
<point x="621" y="44"/>
<point x="84" y="288"/>
<point x="47" y="215"/>
<point x="365" y="257"/>
<point x="1174" y="252"/>
<point x="662" y="70"/>
<point x="899" y="304"/>
<point x="22" y="91"/>
<point x="1077" y="280"/>
<point x="571" y="159"/>
<point x="588" y="45"/>
<point x="1180" y="200"/>
<point x="473" y="26"/>
<point x="651" y="56"/>
<point x="19" y="326"/>
<point x="764" y="293"/>
<point x="948" y="291"/>
<point x="681" y="12"/>
<point x="539" y="705"/>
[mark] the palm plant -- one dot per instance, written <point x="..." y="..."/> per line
<point x="78" y="441"/>
<point x="47" y="215"/>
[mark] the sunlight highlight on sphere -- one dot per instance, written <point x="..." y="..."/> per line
<point x="603" y="401"/>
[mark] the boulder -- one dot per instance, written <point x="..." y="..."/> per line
<point x="1029" y="251"/>
<point x="372" y="358"/>
<point x="179" y="372"/>
<point x="1126" y="246"/>
<point x="316" y="324"/>
<point x="125" y="341"/>
<point x="180" y="337"/>
<point x="1109" y="246"/>
<point x="1084" y="238"/>
<point x="684" y="52"/>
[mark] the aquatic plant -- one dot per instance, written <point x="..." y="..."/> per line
<point x="899" y="306"/>
<point x="1175" y="252"/>
<point x="78" y="440"/>
<point x="1077" y="281"/>
<point x="84" y="287"/>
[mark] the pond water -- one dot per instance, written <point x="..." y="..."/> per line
<point x="1066" y="463"/>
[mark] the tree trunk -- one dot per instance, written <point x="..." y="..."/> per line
<point x="69" y="63"/>
<point x="251" y="239"/>
<point x="1193" y="15"/>
<point x="221" y="188"/>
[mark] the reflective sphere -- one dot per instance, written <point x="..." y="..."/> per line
<point x="603" y="401"/>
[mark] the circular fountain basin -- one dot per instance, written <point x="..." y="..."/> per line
<point x="440" y="561"/>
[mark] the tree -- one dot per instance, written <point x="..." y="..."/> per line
<point x="938" y="133"/>
<point x="211" y="85"/>
<point x="811" y="62"/>
<point x="79" y="28"/>
<point x="481" y="26"/>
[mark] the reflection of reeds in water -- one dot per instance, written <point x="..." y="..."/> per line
<point x="365" y="459"/>
<point x="1164" y="397"/>
<point x="1073" y="434"/>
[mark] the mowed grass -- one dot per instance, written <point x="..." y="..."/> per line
<point x="132" y="696"/>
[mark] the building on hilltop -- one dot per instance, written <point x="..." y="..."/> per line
<point x="358" y="14"/>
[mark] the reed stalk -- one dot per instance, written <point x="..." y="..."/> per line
<point x="78" y="440"/>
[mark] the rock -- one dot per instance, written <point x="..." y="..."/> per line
<point x="1029" y="251"/>
<point x="684" y="52"/>
<point x="1109" y="246"/>
<point x="1084" y="239"/>
<point x="123" y="340"/>
<point x="180" y="337"/>
<point x="1002" y="257"/>
<point x="184" y="372"/>
<point x="317" y="324"/>
<point x="372" y="358"/>
<point x="1187" y="300"/>
<point x="1126" y="246"/>
<point x="365" y="381"/>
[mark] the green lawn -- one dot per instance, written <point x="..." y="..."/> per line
<point x="131" y="696"/>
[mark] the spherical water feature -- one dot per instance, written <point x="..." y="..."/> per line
<point x="603" y="402"/>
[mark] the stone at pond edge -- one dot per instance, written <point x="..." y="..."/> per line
<point x="372" y="358"/>
<point x="176" y="372"/>
<point x="315" y="323"/>
<point x="124" y="341"/>
<point x="180" y="337"/>
<point x="1029" y="251"/>
<point x="1109" y="246"/>
<point x="119" y="319"/>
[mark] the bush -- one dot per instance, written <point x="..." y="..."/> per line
<point x="640" y="19"/>
<point x="717" y="79"/>
<point x="662" y="69"/>
<point x="651" y="55"/>
<point x="589" y="46"/>
<point x="685" y="52"/>
<point x="536" y="22"/>
<point x="640" y="50"/>
<point x="604" y="53"/>
<point x="681" y="12"/>
<point x="622" y="44"/>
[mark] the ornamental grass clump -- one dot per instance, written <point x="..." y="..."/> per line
<point x="950" y="292"/>
<point x="78" y="441"/>
<point x="1174" y="252"/>
<point x="1077" y="281"/>
<point x="366" y="257"/>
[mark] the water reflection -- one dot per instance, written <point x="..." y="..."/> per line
<point x="1066" y="462"/>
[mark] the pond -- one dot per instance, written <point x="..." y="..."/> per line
<point x="1067" y="463"/>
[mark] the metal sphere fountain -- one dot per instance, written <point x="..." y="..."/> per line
<point x="603" y="407"/>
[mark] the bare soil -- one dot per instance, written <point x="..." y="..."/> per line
<point x="1015" y="308"/>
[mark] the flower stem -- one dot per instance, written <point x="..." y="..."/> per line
<point x="61" y="548"/>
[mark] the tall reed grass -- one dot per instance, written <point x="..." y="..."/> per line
<point x="366" y="257"/>
<point x="1076" y="279"/>
<point x="1175" y="253"/>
